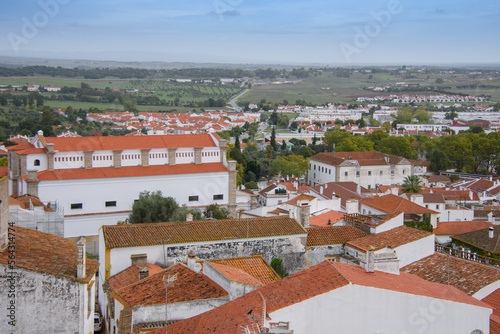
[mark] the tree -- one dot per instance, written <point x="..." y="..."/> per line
<point x="237" y="143"/>
<point x="361" y="123"/>
<point x="215" y="211"/>
<point x="295" y="165"/>
<point x="412" y="184"/>
<point x="130" y="104"/>
<point x="404" y="115"/>
<point x="273" y="119"/>
<point x="273" y="140"/>
<point x="422" y="115"/>
<point x="439" y="160"/>
<point x="251" y="185"/>
<point x="439" y="80"/>
<point x="400" y="146"/>
<point x="277" y="265"/>
<point x="152" y="207"/>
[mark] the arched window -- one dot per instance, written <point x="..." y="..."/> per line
<point x="36" y="162"/>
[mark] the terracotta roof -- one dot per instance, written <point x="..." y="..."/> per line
<point x="317" y="280"/>
<point x="4" y="171"/>
<point x="130" y="275"/>
<point x="301" y="197"/>
<point x="189" y="286"/>
<point x="468" y="276"/>
<point x="332" y="235"/>
<point x="323" y="219"/>
<point x="255" y="266"/>
<point x="419" y="162"/>
<point x="62" y="144"/>
<point x="345" y="190"/>
<point x="116" y="236"/>
<point x="458" y="195"/>
<point x="481" y="239"/>
<point x="130" y="171"/>
<point x="391" y="203"/>
<point x="327" y="158"/>
<point x="438" y="178"/>
<point x="24" y="202"/>
<point x="459" y="227"/>
<point x="236" y="275"/>
<point x="493" y="299"/>
<point x="47" y="253"/>
<point x="393" y="238"/>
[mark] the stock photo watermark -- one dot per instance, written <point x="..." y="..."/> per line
<point x="365" y="34"/>
<point x="31" y="26"/>
<point x="225" y="7"/>
<point x="11" y="276"/>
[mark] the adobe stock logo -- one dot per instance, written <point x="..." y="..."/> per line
<point x="363" y="36"/>
<point x="31" y="27"/>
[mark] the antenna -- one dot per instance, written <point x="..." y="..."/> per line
<point x="168" y="280"/>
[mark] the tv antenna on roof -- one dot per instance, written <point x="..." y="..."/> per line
<point x="168" y="280"/>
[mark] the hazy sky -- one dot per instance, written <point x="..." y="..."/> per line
<point x="255" y="31"/>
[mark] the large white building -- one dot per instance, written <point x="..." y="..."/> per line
<point x="368" y="169"/>
<point x="97" y="179"/>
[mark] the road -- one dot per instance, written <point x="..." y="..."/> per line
<point x="235" y="99"/>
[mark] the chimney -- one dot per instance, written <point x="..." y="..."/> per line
<point x="417" y="199"/>
<point x="370" y="261"/>
<point x="352" y="206"/>
<point x="491" y="217"/>
<point x="492" y="232"/>
<point x="395" y="191"/>
<point x="471" y="195"/>
<point x="191" y="260"/>
<point x="139" y="259"/>
<point x="189" y="217"/>
<point x="143" y="272"/>
<point x="81" y="257"/>
<point x="39" y="133"/>
<point x="304" y="213"/>
<point x="321" y="190"/>
<point x="32" y="175"/>
<point x="326" y="185"/>
<point x="50" y="147"/>
<point x="358" y="189"/>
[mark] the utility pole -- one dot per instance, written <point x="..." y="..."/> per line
<point x="169" y="282"/>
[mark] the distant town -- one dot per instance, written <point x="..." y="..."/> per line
<point x="269" y="200"/>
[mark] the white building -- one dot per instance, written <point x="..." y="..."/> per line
<point x="368" y="169"/>
<point x="97" y="179"/>
<point x="334" y="297"/>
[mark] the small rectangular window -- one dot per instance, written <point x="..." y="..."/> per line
<point x="381" y="172"/>
<point x="218" y="197"/>
<point x="346" y="174"/>
<point x="357" y="173"/>
<point x="193" y="198"/>
<point x="392" y="172"/>
<point x="110" y="203"/>
<point x="369" y="172"/>
<point x="76" y="206"/>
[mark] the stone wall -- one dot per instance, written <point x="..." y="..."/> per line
<point x="318" y="254"/>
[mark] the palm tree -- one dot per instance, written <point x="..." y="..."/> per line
<point x="412" y="184"/>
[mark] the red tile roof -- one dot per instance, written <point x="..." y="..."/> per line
<point x="62" y="144"/>
<point x="391" y="203"/>
<point x="131" y="235"/>
<point x="317" y="280"/>
<point x="301" y="197"/>
<point x="459" y="227"/>
<point x="468" y="276"/>
<point x="255" y="266"/>
<point x="322" y="219"/>
<point x="332" y="235"/>
<point x="189" y="286"/>
<point x="47" y="253"/>
<point x="130" y="275"/>
<point x="393" y="238"/>
<point x="130" y="171"/>
<point x="236" y="275"/>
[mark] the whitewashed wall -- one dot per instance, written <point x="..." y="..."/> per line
<point x="362" y="309"/>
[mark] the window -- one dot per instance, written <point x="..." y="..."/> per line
<point x="218" y="197"/>
<point x="369" y="172"/>
<point x="329" y="171"/>
<point x="427" y="206"/>
<point x="75" y="206"/>
<point x="381" y="172"/>
<point x="392" y="172"/>
<point x="437" y="206"/>
<point x="36" y="162"/>
<point x="369" y="186"/>
<point x="357" y="173"/>
<point x="193" y="198"/>
<point x="110" y="204"/>
<point x="346" y="174"/>
<point x="403" y="171"/>
<point x="314" y="167"/>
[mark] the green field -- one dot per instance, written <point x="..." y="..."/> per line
<point x="329" y="88"/>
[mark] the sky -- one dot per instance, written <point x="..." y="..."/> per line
<point x="336" y="32"/>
